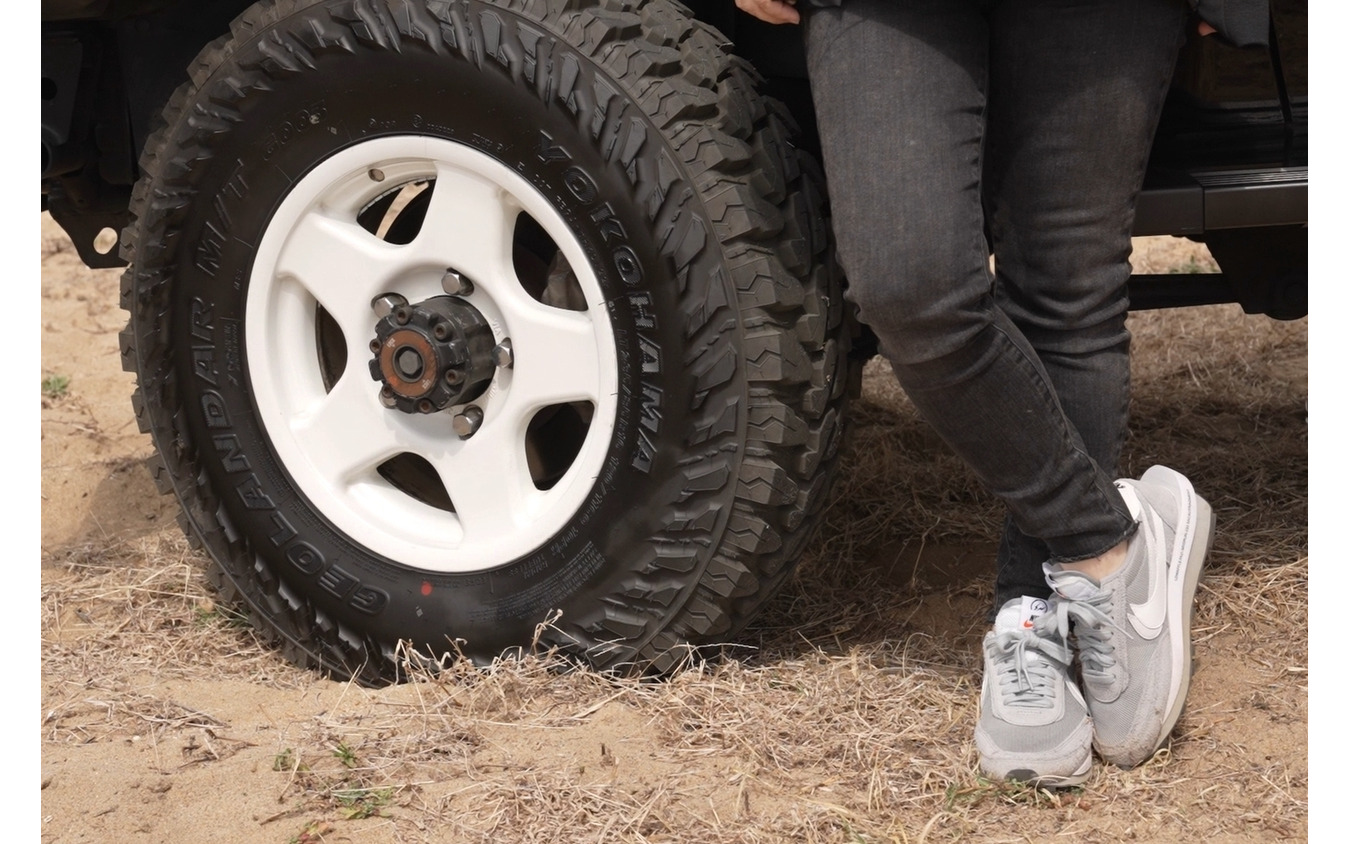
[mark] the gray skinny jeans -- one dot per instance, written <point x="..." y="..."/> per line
<point x="953" y="129"/>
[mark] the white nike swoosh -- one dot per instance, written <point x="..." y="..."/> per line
<point x="1148" y="618"/>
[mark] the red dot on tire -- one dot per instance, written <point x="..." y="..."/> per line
<point x="426" y="588"/>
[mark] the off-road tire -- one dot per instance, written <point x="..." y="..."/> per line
<point x="706" y="233"/>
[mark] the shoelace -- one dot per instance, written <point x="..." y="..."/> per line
<point x="1094" y="634"/>
<point x="1024" y="681"/>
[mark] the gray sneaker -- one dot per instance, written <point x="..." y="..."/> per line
<point x="1033" y="722"/>
<point x="1132" y="631"/>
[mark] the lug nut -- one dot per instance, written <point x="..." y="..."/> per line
<point x="386" y="397"/>
<point x="455" y="284"/>
<point x="467" y="422"/>
<point x="384" y="305"/>
<point x="502" y="355"/>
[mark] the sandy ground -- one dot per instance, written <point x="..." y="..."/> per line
<point x="205" y="758"/>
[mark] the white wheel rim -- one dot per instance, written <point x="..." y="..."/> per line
<point x="333" y="439"/>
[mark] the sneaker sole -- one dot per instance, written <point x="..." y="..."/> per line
<point x="1195" y="530"/>
<point x="1078" y="777"/>
<point x="990" y="768"/>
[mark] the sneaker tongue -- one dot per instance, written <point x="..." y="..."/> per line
<point x="1072" y="584"/>
<point x="1018" y="614"/>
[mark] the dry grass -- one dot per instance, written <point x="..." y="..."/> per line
<point x="147" y="602"/>
<point x="845" y="715"/>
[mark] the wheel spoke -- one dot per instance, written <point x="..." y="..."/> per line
<point x="469" y="226"/>
<point x="489" y="481"/>
<point x="555" y="356"/>
<point x="342" y="266"/>
<point x="349" y="430"/>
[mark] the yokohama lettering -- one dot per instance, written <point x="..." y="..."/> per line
<point x="582" y="187"/>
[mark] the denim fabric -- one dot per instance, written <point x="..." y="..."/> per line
<point x="953" y="129"/>
<point x="1244" y="23"/>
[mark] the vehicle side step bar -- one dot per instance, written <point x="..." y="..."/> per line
<point x="1282" y="295"/>
<point x="1170" y="290"/>
<point x="1197" y="202"/>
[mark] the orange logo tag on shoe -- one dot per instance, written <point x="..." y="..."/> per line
<point x="1032" y="609"/>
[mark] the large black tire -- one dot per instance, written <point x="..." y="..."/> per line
<point x="694" y="462"/>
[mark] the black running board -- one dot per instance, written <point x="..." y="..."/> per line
<point x="1197" y="202"/>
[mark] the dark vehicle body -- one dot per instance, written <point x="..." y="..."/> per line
<point x="1231" y="154"/>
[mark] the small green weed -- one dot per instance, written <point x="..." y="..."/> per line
<point x="55" y="386"/>
<point x="286" y="760"/>
<point x="209" y="612"/>
<point x="345" y="754"/>
<point x="357" y="803"/>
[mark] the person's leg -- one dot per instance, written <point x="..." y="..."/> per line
<point x="900" y="91"/>
<point x="1063" y="167"/>
<point x="1075" y="94"/>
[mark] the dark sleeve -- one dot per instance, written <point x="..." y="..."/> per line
<point x="1245" y="23"/>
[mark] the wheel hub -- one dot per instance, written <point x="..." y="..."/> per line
<point x="432" y="355"/>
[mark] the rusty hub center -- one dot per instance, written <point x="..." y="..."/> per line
<point x="431" y="355"/>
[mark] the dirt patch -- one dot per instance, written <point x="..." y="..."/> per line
<point x="846" y="713"/>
